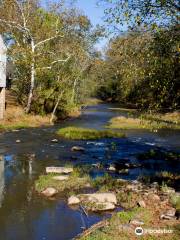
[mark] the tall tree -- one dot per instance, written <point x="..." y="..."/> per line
<point x="31" y="29"/>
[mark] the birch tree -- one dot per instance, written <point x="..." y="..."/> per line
<point x="32" y="29"/>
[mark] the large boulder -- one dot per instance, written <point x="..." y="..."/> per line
<point x="73" y="200"/>
<point x="59" y="170"/>
<point x="78" y="149"/>
<point x="49" y="192"/>
<point x="99" y="197"/>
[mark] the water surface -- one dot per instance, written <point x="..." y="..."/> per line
<point x="26" y="215"/>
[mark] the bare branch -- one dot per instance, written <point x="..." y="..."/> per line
<point x="47" y="40"/>
<point x="54" y="62"/>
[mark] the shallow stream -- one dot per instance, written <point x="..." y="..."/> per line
<point x="26" y="215"/>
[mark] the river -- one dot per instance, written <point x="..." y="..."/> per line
<point x="26" y="215"/>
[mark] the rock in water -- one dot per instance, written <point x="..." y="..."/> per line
<point x="99" y="197"/>
<point x="73" y="200"/>
<point x="60" y="178"/>
<point x="112" y="168"/>
<point x="49" y="192"/>
<point x="78" y="149"/>
<point x="59" y="169"/>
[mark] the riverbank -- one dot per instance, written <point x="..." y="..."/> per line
<point x="16" y="118"/>
<point x="150" y="206"/>
<point x="146" y="121"/>
<point x="26" y="154"/>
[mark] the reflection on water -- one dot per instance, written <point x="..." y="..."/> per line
<point x="1" y="178"/>
<point x="26" y="215"/>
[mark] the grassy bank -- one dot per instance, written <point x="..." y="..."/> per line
<point x="147" y="121"/>
<point x="118" y="227"/>
<point x="85" y="133"/>
<point x="122" y="224"/>
<point x="76" y="180"/>
<point x="15" y="118"/>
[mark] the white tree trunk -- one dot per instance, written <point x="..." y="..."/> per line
<point x="28" y="107"/>
<point x="54" y="111"/>
<point x="74" y="91"/>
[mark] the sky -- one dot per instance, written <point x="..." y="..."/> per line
<point x="95" y="14"/>
<point x="90" y="9"/>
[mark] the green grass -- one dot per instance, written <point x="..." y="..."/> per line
<point x="73" y="183"/>
<point x="175" y="201"/>
<point x="14" y="126"/>
<point x="113" y="230"/>
<point x="137" y="212"/>
<point x="87" y="134"/>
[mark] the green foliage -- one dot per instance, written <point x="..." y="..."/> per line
<point x="142" y="69"/>
<point x="59" y="61"/>
<point x="85" y="133"/>
<point x="139" y="13"/>
<point x="175" y="201"/>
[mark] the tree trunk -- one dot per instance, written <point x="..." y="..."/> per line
<point x="30" y="97"/>
<point x="74" y="91"/>
<point x="54" y="111"/>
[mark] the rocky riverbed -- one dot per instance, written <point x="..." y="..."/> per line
<point x="142" y="156"/>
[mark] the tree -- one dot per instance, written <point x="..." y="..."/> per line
<point x="140" y="13"/>
<point x="51" y="50"/>
<point x="31" y="29"/>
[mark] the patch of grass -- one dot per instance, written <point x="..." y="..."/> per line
<point x="143" y="122"/>
<point x="137" y="212"/>
<point x="169" y="118"/>
<point x="158" y="154"/>
<point x="107" y="183"/>
<point x="85" y="133"/>
<point x="175" y="201"/>
<point x="127" y="199"/>
<point x="14" y="126"/>
<point x="73" y="183"/>
<point x="15" y="118"/>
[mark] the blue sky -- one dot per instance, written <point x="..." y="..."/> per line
<point x="94" y="13"/>
<point x="90" y="8"/>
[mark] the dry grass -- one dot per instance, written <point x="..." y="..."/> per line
<point x="127" y="123"/>
<point x="151" y="122"/>
<point x="16" y="118"/>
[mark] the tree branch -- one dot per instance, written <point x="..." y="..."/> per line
<point x="54" y="62"/>
<point x="47" y="40"/>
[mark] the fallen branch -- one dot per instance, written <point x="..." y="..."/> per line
<point x="92" y="229"/>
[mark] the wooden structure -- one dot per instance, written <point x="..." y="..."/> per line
<point x="2" y="76"/>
